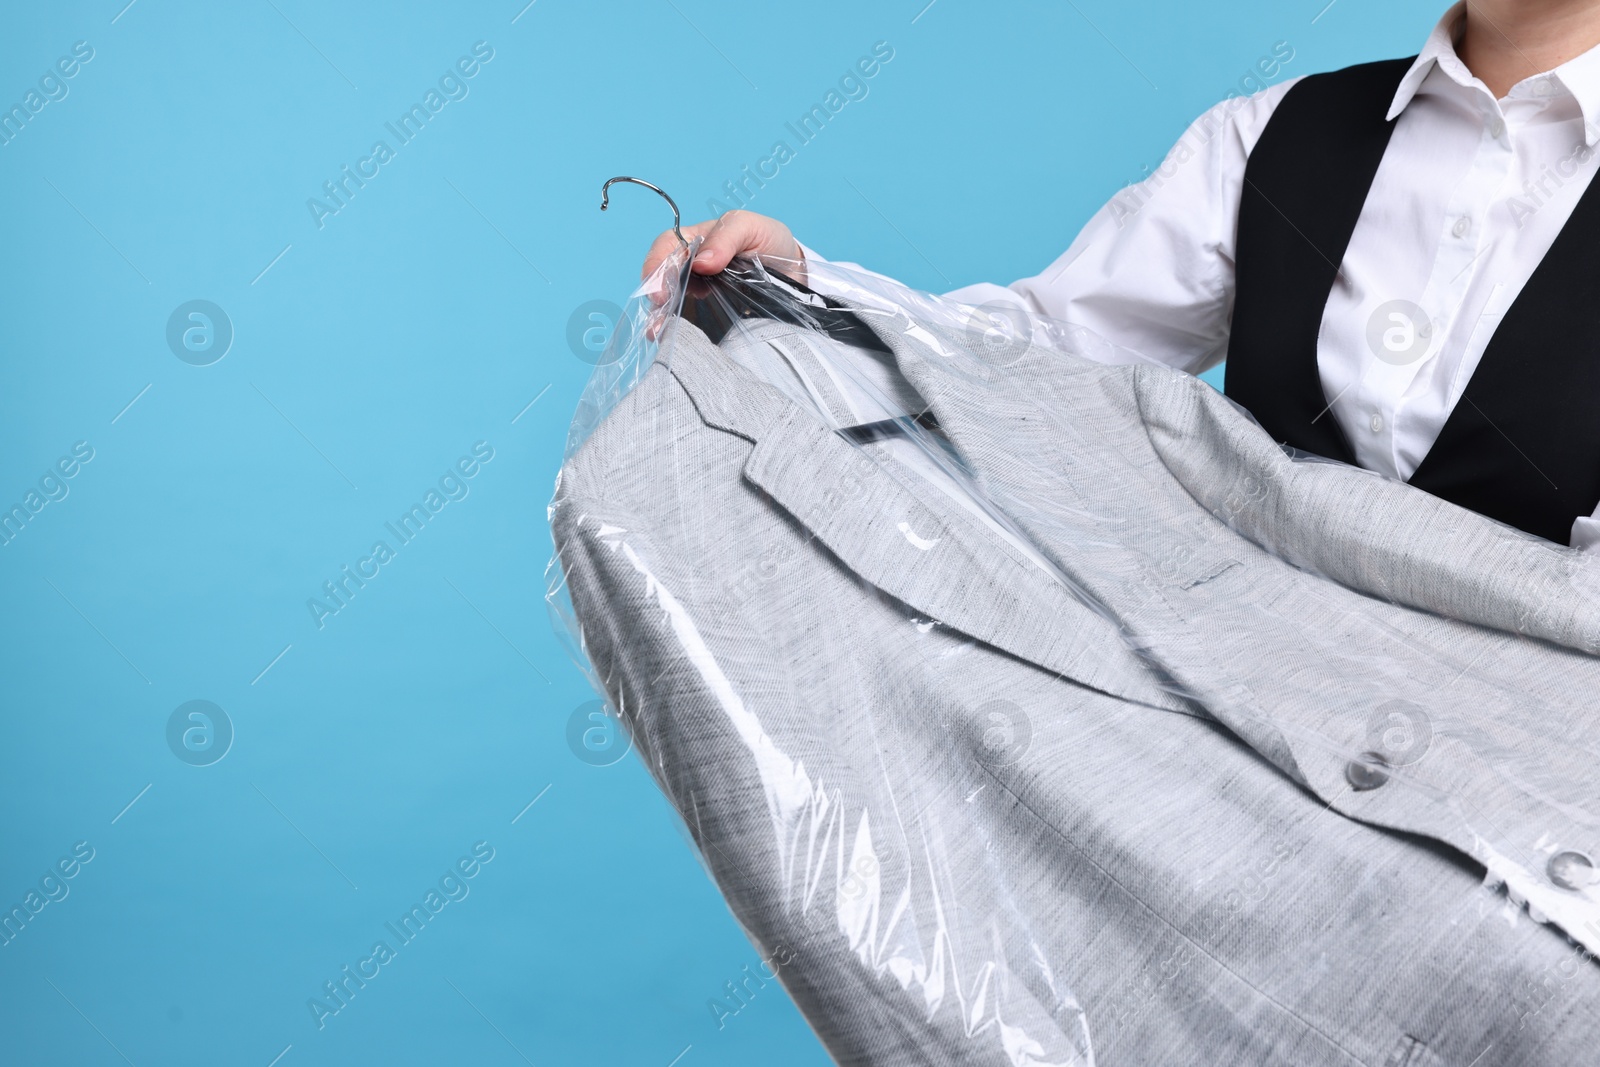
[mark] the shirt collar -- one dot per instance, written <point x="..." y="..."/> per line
<point x="1580" y="75"/>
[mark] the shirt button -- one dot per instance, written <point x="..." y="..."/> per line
<point x="1496" y="128"/>
<point x="1571" y="870"/>
<point x="1367" y="771"/>
<point x="1462" y="227"/>
<point x="1542" y="87"/>
<point x="1377" y="423"/>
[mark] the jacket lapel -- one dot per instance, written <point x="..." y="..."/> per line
<point x="907" y="538"/>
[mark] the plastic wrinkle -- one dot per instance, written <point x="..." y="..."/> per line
<point x="795" y="802"/>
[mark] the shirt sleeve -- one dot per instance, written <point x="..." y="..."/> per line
<point x="1152" y="272"/>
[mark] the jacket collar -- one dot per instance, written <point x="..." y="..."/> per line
<point x="903" y="536"/>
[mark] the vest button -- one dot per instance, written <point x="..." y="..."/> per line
<point x="1367" y="771"/>
<point x="1571" y="870"/>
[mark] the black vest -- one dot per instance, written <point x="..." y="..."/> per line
<point x="1522" y="445"/>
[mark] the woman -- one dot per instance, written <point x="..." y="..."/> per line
<point x="1395" y="259"/>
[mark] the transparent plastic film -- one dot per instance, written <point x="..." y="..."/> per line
<point x="1029" y="705"/>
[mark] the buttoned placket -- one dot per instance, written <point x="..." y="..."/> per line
<point x="1455" y="265"/>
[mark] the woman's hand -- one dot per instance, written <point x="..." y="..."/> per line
<point x="734" y="233"/>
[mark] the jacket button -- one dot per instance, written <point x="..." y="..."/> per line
<point x="1367" y="771"/>
<point x="1570" y="870"/>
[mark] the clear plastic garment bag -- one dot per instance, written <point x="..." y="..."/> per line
<point x="1029" y="705"/>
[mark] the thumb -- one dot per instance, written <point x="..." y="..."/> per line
<point x="737" y="233"/>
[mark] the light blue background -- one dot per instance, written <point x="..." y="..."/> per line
<point x="422" y="318"/>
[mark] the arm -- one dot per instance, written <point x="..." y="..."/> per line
<point x="1152" y="271"/>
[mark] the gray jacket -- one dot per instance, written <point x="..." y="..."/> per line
<point x="1170" y="750"/>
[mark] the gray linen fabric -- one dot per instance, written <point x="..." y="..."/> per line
<point x="1110" y="816"/>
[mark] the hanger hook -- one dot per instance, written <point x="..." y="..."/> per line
<point x="677" y="219"/>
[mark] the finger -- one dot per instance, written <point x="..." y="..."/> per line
<point x="660" y="248"/>
<point x="735" y="232"/>
<point x="667" y="243"/>
<point x="664" y="245"/>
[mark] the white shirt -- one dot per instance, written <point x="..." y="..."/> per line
<point x="1470" y="194"/>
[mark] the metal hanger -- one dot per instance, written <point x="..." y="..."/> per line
<point x="742" y="297"/>
<point x="677" y="219"/>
